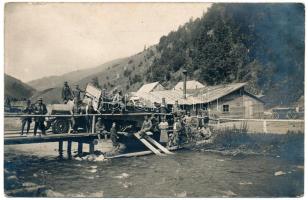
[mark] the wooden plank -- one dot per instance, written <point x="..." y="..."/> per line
<point x="161" y="147"/>
<point x="147" y="144"/>
<point x="48" y="138"/>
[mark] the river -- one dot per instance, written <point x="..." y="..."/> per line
<point x="184" y="174"/>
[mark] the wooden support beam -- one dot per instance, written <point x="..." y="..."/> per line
<point x="80" y="144"/>
<point x="69" y="149"/>
<point x="91" y="148"/>
<point x="93" y="124"/>
<point x="147" y="144"/>
<point x="60" y="150"/>
<point x="161" y="147"/>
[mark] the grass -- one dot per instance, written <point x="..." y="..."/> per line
<point x="289" y="146"/>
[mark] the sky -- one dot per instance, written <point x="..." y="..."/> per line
<point x="44" y="39"/>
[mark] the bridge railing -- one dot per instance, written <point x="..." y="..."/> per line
<point x="7" y="115"/>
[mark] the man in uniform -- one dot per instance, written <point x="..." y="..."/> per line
<point x="114" y="136"/>
<point x="26" y="120"/>
<point x="146" y="126"/>
<point x="40" y="109"/>
<point x="100" y="128"/>
<point x="154" y="129"/>
<point x="177" y="128"/>
<point x="77" y="93"/>
<point x="75" y="120"/>
<point x="188" y="123"/>
<point x="66" y="93"/>
<point x="176" y="110"/>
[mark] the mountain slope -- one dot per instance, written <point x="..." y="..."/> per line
<point x="15" y="89"/>
<point x="124" y="74"/>
<point x="259" y="43"/>
<point x="262" y="44"/>
<point x="57" y="81"/>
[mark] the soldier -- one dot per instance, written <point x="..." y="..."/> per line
<point x="40" y="109"/>
<point x="77" y="93"/>
<point x="26" y="120"/>
<point x="89" y="110"/>
<point x="114" y="136"/>
<point x="177" y="128"/>
<point x="154" y="129"/>
<point x="100" y="128"/>
<point x="146" y="126"/>
<point x="66" y="93"/>
<point x="176" y="110"/>
<point x="75" y="119"/>
<point x="188" y="123"/>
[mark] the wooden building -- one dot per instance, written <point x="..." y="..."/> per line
<point x="224" y="101"/>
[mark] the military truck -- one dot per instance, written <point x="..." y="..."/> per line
<point x="126" y="114"/>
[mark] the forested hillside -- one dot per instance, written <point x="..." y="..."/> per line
<point x="262" y="44"/>
<point x="14" y="89"/>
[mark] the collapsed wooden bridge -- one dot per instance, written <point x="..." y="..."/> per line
<point x="13" y="138"/>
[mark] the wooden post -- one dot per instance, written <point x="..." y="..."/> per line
<point x="264" y="126"/>
<point x="93" y="124"/>
<point x="91" y="148"/>
<point x="80" y="148"/>
<point x="60" y="150"/>
<point x="69" y="149"/>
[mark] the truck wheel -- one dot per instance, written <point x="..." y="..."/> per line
<point x="60" y="126"/>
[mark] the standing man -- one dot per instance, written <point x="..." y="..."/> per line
<point x="75" y="120"/>
<point x="26" y="120"/>
<point x="114" y="136"/>
<point x="40" y="109"/>
<point x="89" y="119"/>
<point x="77" y="93"/>
<point x="177" y="128"/>
<point x="66" y="93"/>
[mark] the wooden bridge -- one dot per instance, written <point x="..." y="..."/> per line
<point x="14" y="138"/>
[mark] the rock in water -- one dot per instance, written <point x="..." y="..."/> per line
<point x="279" y="173"/>
<point x="28" y="184"/>
<point x="51" y="193"/>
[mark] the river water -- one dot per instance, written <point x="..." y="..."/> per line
<point x="185" y="174"/>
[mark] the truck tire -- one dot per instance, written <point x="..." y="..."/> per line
<point x="60" y="126"/>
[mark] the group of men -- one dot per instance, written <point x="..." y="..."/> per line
<point x="37" y="109"/>
<point x="185" y="127"/>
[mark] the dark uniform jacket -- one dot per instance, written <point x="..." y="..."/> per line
<point x="28" y="110"/>
<point x="40" y="110"/>
<point x="66" y="93"/>
<point x="77" y="93"/>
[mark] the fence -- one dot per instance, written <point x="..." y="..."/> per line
<point x="128" y="115"/>
<point x="275" y="126"/>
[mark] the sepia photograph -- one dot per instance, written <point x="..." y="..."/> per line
<point x="153" y="99"/>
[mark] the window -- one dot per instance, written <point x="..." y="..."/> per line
<point x="225" y="108"/>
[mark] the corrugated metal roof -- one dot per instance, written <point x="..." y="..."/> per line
<point x="190" y="85"/>
<point x="148" y="87"/>
<point x="203" y="95"/>
<point x="211" y="93"/>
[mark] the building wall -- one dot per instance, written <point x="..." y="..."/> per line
<point x="237" y="105"/>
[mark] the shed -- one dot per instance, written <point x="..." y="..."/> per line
<point x="190" y="85"/>
<point x="150" y="87"/>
